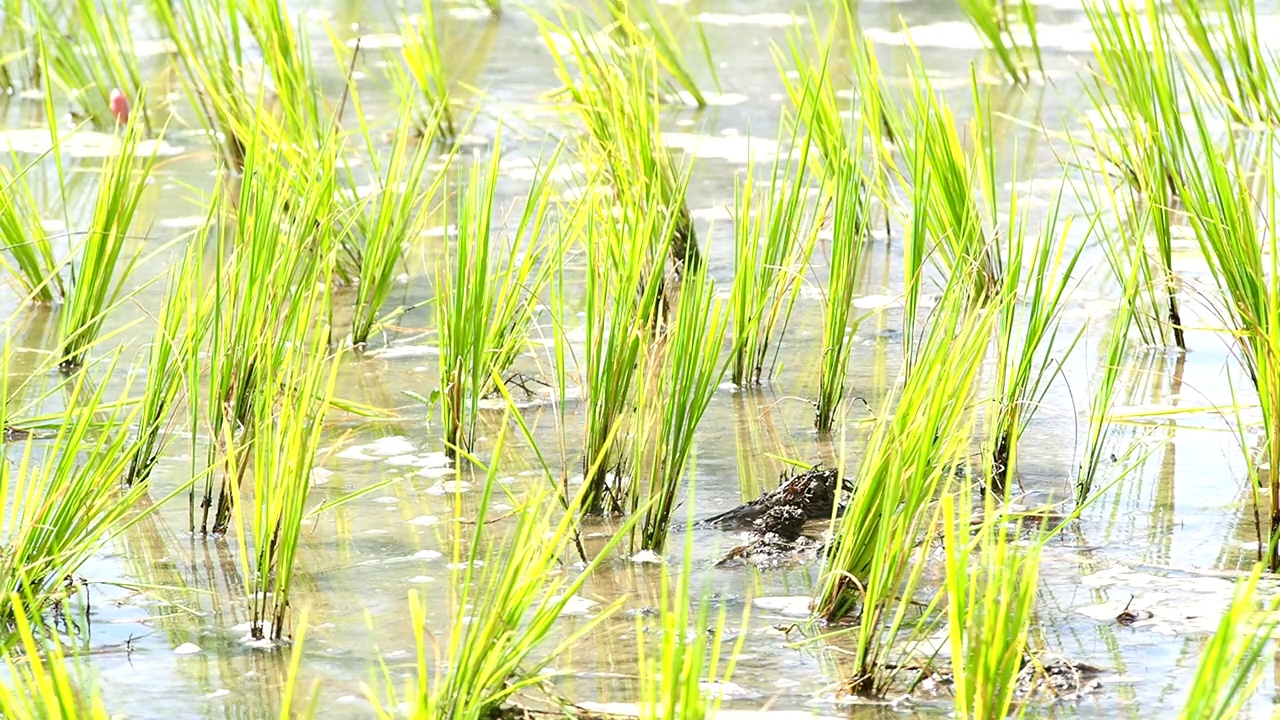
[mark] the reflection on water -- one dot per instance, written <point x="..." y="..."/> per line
<point x="1155" y="541"/>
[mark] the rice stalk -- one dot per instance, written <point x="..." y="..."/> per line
<point x="28" y="251"/>
<point x="95" y="59"/>
<point x="991" y="18"/>
<point x="872" y="570"/>
<point x="1230" y="54"/>
<point x="641" y="24"/>
<point x="40" y="683"/>
<point x="672" y="399"/>
<point x="484" y="308"/>
<point x="286" y="54"/>
<point x="507" y="604"/>
<point x="288" y="417"/>
<point x="991" y="587"/>
<point x="98" y="281"/>
<point x="1102" y="397"/>
<point x="774" y="236"/>
<point x="425" y="65"/>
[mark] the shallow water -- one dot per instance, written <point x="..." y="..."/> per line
<point x="1170" y="535"/>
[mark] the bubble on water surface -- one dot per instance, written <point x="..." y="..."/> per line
<point x="188" y="649"/>
<point x="786" y="605"/>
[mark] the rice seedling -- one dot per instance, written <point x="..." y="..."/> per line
<point x="19" y="67"/>
<point x="286" y="53"/>
<point x="98" y="281"/>
<point x="991" y="586"/>
<point x="1242" y="259"/>
<point x="425" y="66"/>
<point x="289" y="408"/>
<point x="672" y="398"/>
<point x="640" y="23"/>
<point x="278" y="250"/>
<point x="1028" y="347"/>
<point x="62" y="500"/>
<point x="910" y="458"/>
<point x="484" y="307"/>
<point x="1102" y="397"/>
<point x="849" y="233"/>
<point x="991" y="18"/>
<point x="1228" y="51"/>
<point x="399" y="213"/>
<point x="210" y="55"/>
<point x="28" y="251"/>
<point x="774" y="235"/>
<point x="94" y="61"/>
<point x="40" y="685"/>
<point x="506" y="606"/>
<point x="181" y="326"/>
<point x="676" y="680"/>
<point x="1229" y="669"/>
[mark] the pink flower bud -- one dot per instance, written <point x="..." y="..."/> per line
<point x="120" y="106"/>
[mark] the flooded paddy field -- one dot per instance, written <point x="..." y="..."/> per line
<point x="338" y="527"/>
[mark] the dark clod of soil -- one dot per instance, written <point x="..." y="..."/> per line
<point x="812" y="493"/>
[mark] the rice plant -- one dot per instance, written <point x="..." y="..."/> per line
<point x="40" y="683"/>
<point x="484" y="307"/>
<point x="850" y="205"/>
<point x="506" y="605"/>
<point x="286" y="53"/>
<point x="181" y="327"/>
<point x="1231" y="56"/>
<point x="425" y="66"/>
<point x="1241" y="252"/>
<point x="992" y="20"/>
<point x="288" y="417"/>
<point x="1230" y="665"/>
<point x="679" y="679"/>
<point x="1102" y="397"/>
<point x="991" y="587"/>
<point x="672" y="398"/>
<point x="774" y="235"/>
<point x="398" y="213"/>
<point x="911" y="456"/>
<point x="1029" y="349"/>
<point x="98" y="281"/>
<point x="642" y="24"/>
<point x="28" y="255"/>
<point x="95" y="60"/>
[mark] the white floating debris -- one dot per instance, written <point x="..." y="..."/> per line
<point x="424" y="520"/>
<point x="875" y="302"/>
<point x="378" y="449"/>
<point x="428" y="555"/>
<point x="320" y="476"/>
<point x="463" y="566"/>
<point x="435" y="472"/>
<point x="220" y="692"/>
<point x="404" y="351"/>
<point x="421" y="579"/>
<point x="449" y="487"/>
<point x="647" y="556"/>
<point x="387" y="500"/>
<point x="788" y="605"/>
<point x="188" y="649"/>
<point x="576" y="605"/>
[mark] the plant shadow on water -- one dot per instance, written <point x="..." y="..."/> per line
<point x="451" y="321"/>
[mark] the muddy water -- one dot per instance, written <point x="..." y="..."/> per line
<point x="1170" y="536"/>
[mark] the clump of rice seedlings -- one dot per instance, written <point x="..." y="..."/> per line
<point x="484" y="304"/>
<point x="277" y="252"/>
<point x="850" y="230"/>
<point x="94" y="60"/>
<point x="1229" y="52"/>
<point x="615" y="93"/>
<point x="640" y="23"/>
<point x="97" y="279"/>
<point x="289" y="408"/>
<point x="1242" y="258"/>
<point x="911" y="456"/>
<point x="991" y="18"/>
<point x="287" y="55"/>
<point x="61" y="500"/>
<point x="774" y="235"/>
<point x="181" y="326"/>
<point x="1102" y="397"/>
<point x="672" y="398"/>
<point x="506" y="605"/>
<point x="21" y="67"/>
<point x="40" y="683"/>
<point x="398" y="212"/>
<point x="425" y="66"/>
<point x="990" y="586"/>
<point x="1027" y="335"/>
<point x="1230" y="667"/>
<point x="210" y="55"/>
<point x="28" y="252"/>
<point x="676" y="680"/>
